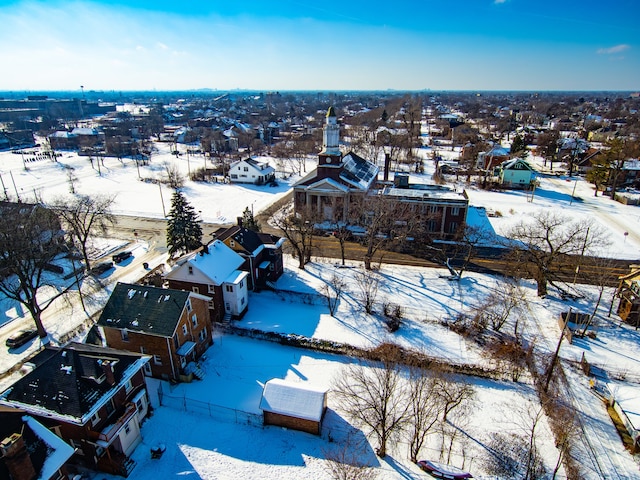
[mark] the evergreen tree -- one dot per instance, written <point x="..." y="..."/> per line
<point x="184" y="232"/>
<point x="518" y="145"/>
<point x="249" y="222"/>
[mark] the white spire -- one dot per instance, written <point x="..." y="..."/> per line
<point x="331" y="134"/>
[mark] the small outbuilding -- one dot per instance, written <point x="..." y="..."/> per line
<point x="293" y="405"/>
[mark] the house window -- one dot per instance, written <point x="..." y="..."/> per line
<point x="188" y="304"/>
<point x="229" y="288"/>
<point x="128" y="386"/>
<point x="194" y="320"/>
<point x="95" y="418"/>
<point x="211" y="288"/>
<point x="184" y="329"/>
<point x="234" y="176"/>
<point x="110" y="408"/>
<point x="127" y="429"/>
<point x="202" y="336"/>
<point x="232" y="243"/>
<point x="242" y="301"/>
<point x="190" y="270"/>
<point x="246" y="169"/>
<point x="176" y="342"/>
<point x="143" y="350"/>
<point x="157" y="359"/>
<point x="455" y="211"/>
<point x="125" y="335"/>
<point x="211" y="304"/>
<point x="453" y="226"/>
<point x="196" y="289"/>
<point x="241" y="283"/>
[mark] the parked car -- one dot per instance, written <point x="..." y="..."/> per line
<point x="100" y="268"/>
<point x="21" y="338"/>
<point x="52" y="267"/>
<point x="440" y="470"/>
<point x="121" y="256"/>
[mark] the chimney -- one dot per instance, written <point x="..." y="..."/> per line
<point x="107" y="368"/>
<point x="239" y="221"/>
<point x="16" y="458"/>
<point x="387" y="166"/>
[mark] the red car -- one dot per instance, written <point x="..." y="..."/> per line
<point x="439" y="470"/>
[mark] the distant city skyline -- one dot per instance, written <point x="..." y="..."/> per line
<point x="330" y="45"/>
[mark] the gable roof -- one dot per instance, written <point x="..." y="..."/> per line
<point x="211" y="264"/>
<point x="71" y="384"/>
<point x="514" y="162"/>
<point x="293" y="399"/>
<point x="47" y="451"/>
<point x="250" y="240"/>
<point x="142" y="308"/>
<point x="260" y="166"/>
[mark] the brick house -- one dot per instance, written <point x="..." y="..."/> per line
<point x="214" y="270"/>
<point x="94" y="398"/>
<point x="262" y="253"/>
<point x="172" y="326"/>
<point x="30" y="450"/>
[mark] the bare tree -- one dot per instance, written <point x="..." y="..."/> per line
<point x="373" y="397"/>
<point x="367" y="283"/>
<point x="548" y="237"/>
<point x="299" y="231"/>
<point x="332" y="291"/>
<point x="386" y="221"/>
<point x="496" y="309"/>
<point x="173" y="177"/>
<point x="425" y="409"/>
<point x="30" y="239"/>
<point x="468" y="239"/>
<point x="84" y="216"/>
<point x="344" y="462"/>
<point x="453" y="394"/>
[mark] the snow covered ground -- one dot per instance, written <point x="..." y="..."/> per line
<point x="213" y="447"/>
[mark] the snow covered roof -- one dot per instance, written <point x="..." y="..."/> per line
<point x="298" y="400"/>
<point x="58" y="450"/>
<point x="211" y="264"/>
<point x="143" y="308"/>
<point x="69" y="383"/>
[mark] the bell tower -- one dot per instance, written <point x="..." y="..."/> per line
<point x="330" y="154"/>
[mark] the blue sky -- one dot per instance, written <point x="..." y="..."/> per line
<point x="320" y="45"/>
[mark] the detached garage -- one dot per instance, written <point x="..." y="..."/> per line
<point x="293" y="405"/>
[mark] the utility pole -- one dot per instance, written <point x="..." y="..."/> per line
<point x="555" y="355"/>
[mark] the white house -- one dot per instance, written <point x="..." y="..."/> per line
<point x="214" y="270"/>
<point x="251" y="171"/>
<point x="515" y="173"/>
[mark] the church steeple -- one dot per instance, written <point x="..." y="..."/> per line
<point x="330" y="153"/>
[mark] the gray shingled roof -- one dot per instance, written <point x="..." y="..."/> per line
<point x="146" y="309"/>
<point x="69" y="382"/>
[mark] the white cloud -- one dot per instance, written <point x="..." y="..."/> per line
<point x="615" y="49"/>
<point x="499" y="1"/>
<point x="162" y="46"/>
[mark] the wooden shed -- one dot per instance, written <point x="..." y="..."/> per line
<point x="298" y="406"/>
